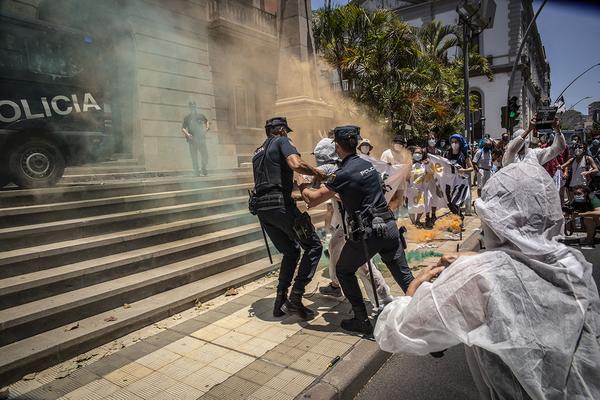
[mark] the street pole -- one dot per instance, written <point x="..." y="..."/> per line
<point x="514" y="67"/>
<point x="573" y="106"/>
<point x="466" y="79"/>
<point x="577" y="77"/>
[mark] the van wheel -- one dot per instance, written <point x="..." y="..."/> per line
<point x="36" y="163"/>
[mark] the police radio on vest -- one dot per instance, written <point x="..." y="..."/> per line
<point x="11" y="111"/>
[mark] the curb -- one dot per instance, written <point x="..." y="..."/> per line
<point x="355" y="369"/>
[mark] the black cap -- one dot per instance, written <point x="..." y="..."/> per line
<point x="277" y="121"/>
<point x="399" y="139"/>
<point x="346" y="132"/>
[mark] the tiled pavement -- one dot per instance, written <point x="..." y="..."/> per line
<point x="236" y="350"/>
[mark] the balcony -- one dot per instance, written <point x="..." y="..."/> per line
<point x="238" y="18"/>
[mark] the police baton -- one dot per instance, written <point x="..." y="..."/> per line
<point x="361" y="229"/>
<point x="266" y="242"/>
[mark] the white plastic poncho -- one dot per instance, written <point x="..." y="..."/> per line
<point x="527" y="309"/>
<point x="518" y="148"/>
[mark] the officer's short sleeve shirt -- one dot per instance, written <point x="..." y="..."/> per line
<point x="358" y="184"/>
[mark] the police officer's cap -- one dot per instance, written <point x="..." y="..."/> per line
<point x="399" y="139"/>
<point x="277" y="121"/>
<point x="346" y="132"/>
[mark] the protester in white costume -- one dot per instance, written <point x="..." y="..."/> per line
<point x="518" y="147"/>
<point x="527" y="309"/>
<point x="396" y="156"/>
<point x="327" y="159"/>
<point x="419" y="190"/>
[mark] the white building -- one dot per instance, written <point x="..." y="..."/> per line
<point x="500" y="45"/>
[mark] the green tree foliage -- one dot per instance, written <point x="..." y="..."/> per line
<point x="402" y="75"/>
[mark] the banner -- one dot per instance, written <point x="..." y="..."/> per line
<point x="419" y="192"/>
<point x="455" y="186"/>
<point x="392" y="175"/>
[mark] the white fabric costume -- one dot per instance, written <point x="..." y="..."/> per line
<point x="518" y="148"/>
<point x="527" y="309"/>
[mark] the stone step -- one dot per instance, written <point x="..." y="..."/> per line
<point x="117" y="173"/>
<point x="103" y="169"/>
<point x="28" y="287"/>
<point x="39" y="257"/>
<point x="63" y="193"/>
<point x="59" y="344"/>
<point x="29" y="235"/>
<point x="24" y="215"/>
<point x="31" y="318"/>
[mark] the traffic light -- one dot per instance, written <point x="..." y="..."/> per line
<point x="504" y="117"/>
<point x="513" y="112"/>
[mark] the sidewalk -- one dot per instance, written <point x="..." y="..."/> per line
<point x="229" y="348"/>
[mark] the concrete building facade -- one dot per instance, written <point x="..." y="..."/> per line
<point x="222" y="54"/>
<point x="500" y="46"/>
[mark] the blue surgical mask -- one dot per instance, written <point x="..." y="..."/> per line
<point x="596" y="142"/>
<point x="417" y="156"/>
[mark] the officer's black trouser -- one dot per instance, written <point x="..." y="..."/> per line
<point x="278" y="225"/>
<point x="198" y="144"/>
<point x="391" y="251"/>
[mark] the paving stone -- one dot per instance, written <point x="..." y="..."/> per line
<point x="256" y="346"/>
<point x="158" y="359"/>
<point x="138" y="350"/>
<point x="189" y="326"/>
<point x="151" y="386"/>
<point x="290" y="382"/>
<point x="284" y="355"/>
<point x="122" y="394"/>
<point x="245" y="300"/>
<point x="95" y="390"/>
<point x="108" y="364"/>
<point x="181" y="368"/>
<point x="205" y="378"/>
<point x="232" y="339"/>
<point x="210" y="316"/>
<point x="185" y="345"/>
<point x="207" y="353"/>
<point x="259" y="372"/>
<point x="180" y="391"/>
<point x="136" y="369"/>
<point x="341" y="337"/>
<point x="121" y="378"/>
<point x="303" y="341"/>
<point x="330" y="348"/>
<point x="228" y="308"/>
<point x="210" y="333"/>
<point x="241" y="385"/>
<point x="252" y="327"/>
<point x="164" y="338"/>
<point x="275" y="334"/>
<point x="267" y="393"/>
<point x="312" y="363"/>
<point x="231" y="322"/>
<point x="232" y="362"/>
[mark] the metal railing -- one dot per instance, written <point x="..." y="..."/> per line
<point x="242" y="14"/>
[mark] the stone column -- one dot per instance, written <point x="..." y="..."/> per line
<point x="297" y="85"/>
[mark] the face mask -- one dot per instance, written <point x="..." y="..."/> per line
<point x="417" y="156"/>
<point x="575" y="141"/>
<point x="455" y="146"/>
<point x="442" y="143"/>
<point x="398" y="146"/>
<point x="364" y="149"/>
<point x="579" y="152"/>
<point x="431" y="142"/>
<point x="579" y="198"/>
<point x="596" y="142"/>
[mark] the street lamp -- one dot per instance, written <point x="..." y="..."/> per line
<point x="577" y="77"/>
<point x="474" y="16"/>
<point x="585" y="98"/>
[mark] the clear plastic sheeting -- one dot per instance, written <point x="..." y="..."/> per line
<point x="527" y="308"/>
<point x="518" y="149"/>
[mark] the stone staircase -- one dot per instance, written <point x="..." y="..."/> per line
<point x="72" y="256"/>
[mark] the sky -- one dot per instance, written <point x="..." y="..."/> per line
<point x="570" y="33"/>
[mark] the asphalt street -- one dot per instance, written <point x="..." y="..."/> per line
<point x="405" y="377"/>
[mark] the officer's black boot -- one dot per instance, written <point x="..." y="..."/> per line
<point x="279" y="301"/>
<point x="360" y="323"/>
<point x="294" y="306"/>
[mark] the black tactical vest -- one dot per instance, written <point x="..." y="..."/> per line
<point x="268" y="170"/>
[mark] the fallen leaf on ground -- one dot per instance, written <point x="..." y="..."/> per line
<point x="72" y="326"/>
<point x="177" y="316"/>
<point x="126" y="305"/>
<point x="231" y="292"/>
<point x="30" y="377"/>
<point x="110" y="319"/>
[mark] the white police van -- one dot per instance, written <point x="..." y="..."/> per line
<point x="52" y="107"/>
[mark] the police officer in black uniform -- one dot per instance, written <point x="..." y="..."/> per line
<point x="273" y="164"/>
<point x="371" y="222"/>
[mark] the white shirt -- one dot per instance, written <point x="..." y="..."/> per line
<point x="391" y="157"/>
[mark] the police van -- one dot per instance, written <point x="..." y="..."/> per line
<point x="53" y="112"/>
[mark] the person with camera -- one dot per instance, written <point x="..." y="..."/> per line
<point x="586" y="205"/>
<point x="372" y="225"/>
<point x="578" y="170"/>
<point x="526" y="309"/>
<point x="273" y="165"/>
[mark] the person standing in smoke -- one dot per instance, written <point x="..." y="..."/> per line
<point x="194" y="128"/>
